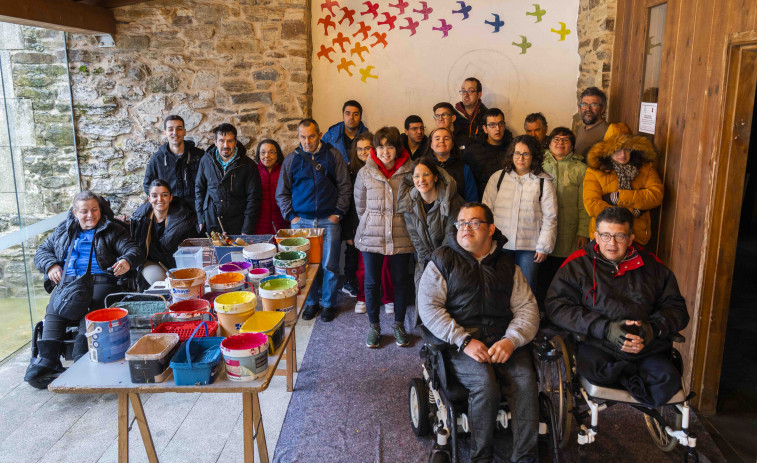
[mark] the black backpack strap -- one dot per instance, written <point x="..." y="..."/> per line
<point x="319" y="168"/>
<point x="501" y="176"/>
<point x="541" y="187"/>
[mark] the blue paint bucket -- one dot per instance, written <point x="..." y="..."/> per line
<point x="108" y="334"/>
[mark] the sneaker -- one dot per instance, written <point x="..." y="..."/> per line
<point x="389" y="307"/>
<point x="374" y="336"/>
<point x="328" y="314"/>
<point x="349" y="289"/>
<point x="400" y="336"/>
<point x="360" y="307"/>
<point x="311" y="310"/>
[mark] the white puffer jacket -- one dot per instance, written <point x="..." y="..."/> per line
<point x="528" y="224"/>
<point x="382" y="229"/>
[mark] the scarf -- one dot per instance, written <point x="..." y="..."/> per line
<point x="626" y="174"/>
<point x="401" y="159"/>
<point x="224" y="165"/>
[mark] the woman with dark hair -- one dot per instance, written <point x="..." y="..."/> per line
<point x="382" y="230"/>
<point x="430" y="203"/>
<point x="159" y="226"/>
<point x="89" y="240"/>
<point x="524" y="203"/>
<point x="621" y="173"/>
<point x="269" y="157"/>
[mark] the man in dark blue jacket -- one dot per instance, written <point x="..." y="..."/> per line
<point x="340" y="135"/>
<point x="314" y="191"/>
<point x="176" y="162"/>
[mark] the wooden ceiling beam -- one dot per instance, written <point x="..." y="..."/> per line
<point x="111" y="3"/>
<point x="64" y="15"/>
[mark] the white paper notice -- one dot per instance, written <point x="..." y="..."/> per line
<point x="647" y="117"/>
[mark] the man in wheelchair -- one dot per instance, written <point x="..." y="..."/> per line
<point x="626" y="303"/>
<point x="473" y="295"/>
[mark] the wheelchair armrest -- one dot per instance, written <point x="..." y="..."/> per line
<point x="543" y="348"/>
<point x="435" y="344"/>
<point x="677" y="337"/>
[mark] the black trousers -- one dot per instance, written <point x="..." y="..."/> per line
<point x="351" y="254"/>
<point x="652" y="380"/>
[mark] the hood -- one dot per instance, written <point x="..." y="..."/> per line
<point x="409" y="195"/>
<point x="641" y="149"/>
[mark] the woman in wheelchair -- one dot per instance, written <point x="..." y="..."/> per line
<point x="627" y="305"/>
<point x="92" y="241"/>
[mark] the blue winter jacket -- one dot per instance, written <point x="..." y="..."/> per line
<point x="334" y="136"/>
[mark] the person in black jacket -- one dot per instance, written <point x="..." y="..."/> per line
<point x="228" y="190"/>
<point x="626" y="303"/>
<point x="486" y="155"/>
<point x="414" y="139"/>
<point x="176" y="162"/>
<point x="89" y="229"/>
<point x="159" y="226"/>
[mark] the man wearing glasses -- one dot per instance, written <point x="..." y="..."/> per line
<point x="473" y="296"/>
<point x="470" y="108"/>
<point x="627" y="303"/>
<point x="485" y="156"/>
<point x="445" y="117"/>
<point x="591" y="107"/>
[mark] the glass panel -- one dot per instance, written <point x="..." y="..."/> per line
<point x="16" y="328"/>
<point x="653" y="62"/>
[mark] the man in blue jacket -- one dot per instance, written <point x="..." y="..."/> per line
<point x="314" y="191"/>
<point x="340" y="135"/>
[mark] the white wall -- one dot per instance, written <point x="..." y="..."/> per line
<point x="414" y="73"/>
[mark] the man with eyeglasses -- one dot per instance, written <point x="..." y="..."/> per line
<point x="473" y="296"/>
<point x="445" y="116"/>
<point x="591" y="106"/>
<point x="486" y="155"/>
<point x="340" y="135"/>
<point x="414" y="139"/>
<point x="470" y="108"/>
<point x="627" y="303"/>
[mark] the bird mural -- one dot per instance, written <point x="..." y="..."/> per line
<point x="363" y="30"/>
<point x="538" y="12"/>
<point x="497" y="24"/>
<point x="372" y="9"/>
<point x="388" y="20"/>
<point x="400" y="5"/>
<point x="341" y="40"/>
<point x="562" y="32"/>
<point x="328" y="5"/>
<point x="444" y="29"/>
<point x="327" y="22"/>
<point x="411" y="26"/>
<point x="523" y="45"/>
<point x="464" y="10"/>
<point x="345" y="66"/>
<point x="348" y="14"/>
<point x="425" y="11"/>
<point x="365" y="74"/>
<point x="359" y="49"/>
<point x="380" y="39"/>
<point x="324" y="52"/>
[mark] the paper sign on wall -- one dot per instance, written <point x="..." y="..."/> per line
<point x="647" y="117"/>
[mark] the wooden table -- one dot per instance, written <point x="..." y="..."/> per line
<point x="87" y="377"/>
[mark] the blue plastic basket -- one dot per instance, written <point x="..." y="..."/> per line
<point x="196" y="361"/>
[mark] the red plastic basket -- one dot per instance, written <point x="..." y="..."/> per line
<point x="185" y="329"/>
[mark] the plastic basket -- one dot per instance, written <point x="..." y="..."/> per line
<point x="225" y="254"/>
<point x="186" y="328"/>
<point x="141" y="307"/>
<point x="198" y="360"/>
<point x="208" y="256"/>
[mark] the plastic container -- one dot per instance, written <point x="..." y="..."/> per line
<point x="225" y="282"/>
<point x="246" y="356"/>
<point x="226" y="254"/>
<point x="191" y="309"/>
<point x="141" y="308"/>
<point x="292" y="263"/>
<point x="315" y="235"/>
<point x="187" y="283"/>
<point x="198" y="360"/>
<point x="233" y="309"/>
<point x="184" y="328"/>
<point x="242" y="267"/>
<point x="150" y="356"/>
<point x="107" y="334"/>
<point x="269" y="323"/>
<point x="260" y="255"/>
<point x="279" y="293"/>
<point x="208" y="254"/>
<point x="255" y="276"/>
<point x="295" y="244"/>
<point x="188" y="257"/>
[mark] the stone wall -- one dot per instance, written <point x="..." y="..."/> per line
<point x="246" y="62"/>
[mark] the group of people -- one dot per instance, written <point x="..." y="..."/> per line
<point x="496" y="227"/>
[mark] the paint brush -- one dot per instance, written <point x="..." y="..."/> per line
<point x="167" y="271"/>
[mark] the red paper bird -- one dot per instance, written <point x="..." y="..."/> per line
<point x="425" y="11"/>
<point x="363" y="30"/>
<point x="348" y="14"/>
<point x="380" y="39"/>
<point x="345" y="65"/>
<point x="328" y="4"/>
<point x="326" y="23"/>
<point x="341" y="39"/>
<point x="359" y="49"/>
<point x="411" y="26"/>
<point x="372" y="9"/>
<point x="444" y="29"/>
<point x="401" y="5"/>
<point x="389" y="20"/>
<point x="325" y="52"/>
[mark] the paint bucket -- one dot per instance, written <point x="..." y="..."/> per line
<point x="279" y="293"/>
<point x="191" y="309"/>
<point x="225" y="282"/>
<point x="211" y="270"/>
<point x="293" y="263"/>
<point x="107" y="334"/>
<point x="187" y="283"/>
<point x="235" y="302"/>
<point x="211" y="296"/>
<point x="296" y="244"/>
<point x="246" y="356"/>
<point x="260" y="255"/>
<point x="239" y="267"/>
<point x="255" y="276"/>
<point x="269" y="323"/>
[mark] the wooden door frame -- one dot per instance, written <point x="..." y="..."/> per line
<point x="724" y="211"/>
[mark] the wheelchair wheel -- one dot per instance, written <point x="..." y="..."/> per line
<point x="36" y="336"/>
<point x="548" y="444"/>
<point x="656" y="430"/>
<point x="556" y="380"/>
<point x="419" y="409"/>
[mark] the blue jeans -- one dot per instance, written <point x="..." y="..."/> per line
<point x="325" y="283"/>
<point x="398" y="264"/>
<point x="530" y="269"/>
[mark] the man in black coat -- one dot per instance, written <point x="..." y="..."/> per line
<point x="485" y="156"/>
<point x="626" y="303"/>
<point x="228" y="190"/>
<point x="176" y="162"/>
<point x="414" y="139"/>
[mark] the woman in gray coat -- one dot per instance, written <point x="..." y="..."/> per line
<point x="382" y="231"/>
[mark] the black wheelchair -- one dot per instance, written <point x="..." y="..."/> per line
<point x="574" y="397"/>
<point x="439" y="404"/>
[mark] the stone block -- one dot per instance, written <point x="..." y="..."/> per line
<point x="266" y="74"/>
<point x="106" y="127"/>
<point x="33" y="58"/>
<point x="132" y="42"/>
<point x="236" y="29"/>
<point x="55" y="135"/>
<point x="293" y="30"/>
<point x="163" y="83"/>
<point x="237" y="86"/>
<point x="250" y="117"/>
<point x="191" y="118"/>
<point x="205" y="79"/>
<point x="95" y="109"/>
<point x="236" y="45"/>
<point x="256" y="97"/>
<point x="179" y="21"/>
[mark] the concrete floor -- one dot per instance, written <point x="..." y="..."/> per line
<point x="39" y="426"/>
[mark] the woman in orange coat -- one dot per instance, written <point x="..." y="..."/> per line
<point x="622" y="173"/>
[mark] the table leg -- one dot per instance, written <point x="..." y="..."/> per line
<point x="257" y="416"/>
<point x="144" y="428"/>
<point x="252" y="427"/>
<point x="290" y="363"/>
<point x="123" y="427"/>
<point x="294" y="349"/>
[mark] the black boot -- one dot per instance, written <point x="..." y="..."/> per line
<point x="46" y="366"/>
<point x="80" y="346"/>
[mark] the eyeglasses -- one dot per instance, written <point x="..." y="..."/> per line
<point x="592" y="105"/>
<point x="442" y="116"/>
<point x="469" y="92"/>
<point x="367" y="148"/>
<point x="561" y="140"/>
<point x="521" y="155"/>
<point x="494" y="125"/>
<point x="619" y="237"/>
<point x="474" y="224"/>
